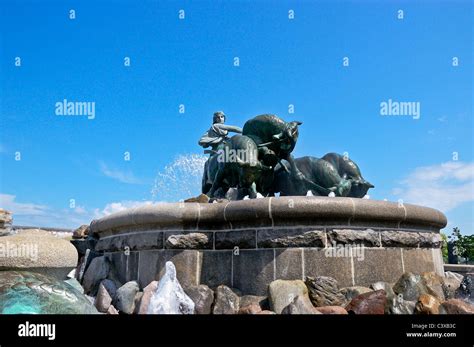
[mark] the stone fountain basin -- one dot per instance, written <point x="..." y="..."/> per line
<point x="247" y="244"/>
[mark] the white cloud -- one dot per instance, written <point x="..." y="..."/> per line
<point x="118" y="206"/>
<point x="444" y="186"/>
<point x="124" y="177"/>
<point x="7" y="202"/>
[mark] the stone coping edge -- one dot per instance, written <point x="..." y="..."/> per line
<point x="267" y="211"/>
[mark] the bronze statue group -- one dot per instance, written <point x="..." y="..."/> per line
<point x="258" y="161"/>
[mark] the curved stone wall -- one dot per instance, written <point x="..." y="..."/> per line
<point x="247" y="244"/>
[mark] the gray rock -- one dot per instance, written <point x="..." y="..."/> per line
<point x="300" y="305"/>
<point x="466" y="288"/>
<point x="410" y="239"/>
<point x="188" y="241"/>
<point x="226" y="302"/>
<point x="453" y="275"/>
<point x="351" y="292"/>
<point x="284" y="238"/>
<point x="450" y="287"/>
<point x="410" y="286"/>
<point x="103" y="300"/>
<point x="169" y="297"/>
<point x="110" y="287"/>
<point x="324" y="291"/>
<point x="397" y="305"/>
<point x="368" y="238"/>
<point x="202" y="296"/>
<point x="125" y="297"/>
<point x="97" y="271"/>
<point x="281" y="293"/>
<point x="138" y="300"/>
<point x="112" y="310"/>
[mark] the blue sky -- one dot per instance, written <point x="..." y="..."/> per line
<point x="191" y="62"/>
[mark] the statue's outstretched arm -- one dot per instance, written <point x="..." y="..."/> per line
<point x="232" y="128"/>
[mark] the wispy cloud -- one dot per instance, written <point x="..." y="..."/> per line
<point x="121" y="176"/>
<point x="114" y="207"/>
<point x="7" y="202"/>
<point x="443" y="186"/>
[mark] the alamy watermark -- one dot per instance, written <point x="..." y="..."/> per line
<point x="338" y="250"/>
<point x="75" y="108"/>
<point x="19" y="250"/>
<point x="400" y="108"/>
<point x="230" y="155"/>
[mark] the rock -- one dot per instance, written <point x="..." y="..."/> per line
<point x="282" y="292"/>
<point x="410" y="286"/>
<point x="456" y="306"/>
<point x="146" y="297"/>
<point x="138" y="300"/>
<point x="188" y="241"/>
<point x="351" y="292"/>
<point x="169" y="297"/>
<point x="427" y="304"/>
<point x="112" y="310"/>
<point x="103" y="300"/>
<point x="202" y="198"/>
<point x="453" y="275"/>
<point x="75" y="284"/>
<point x="281" y="238"/>
<point x="5" y="222"/>
<point x="466" y="288"/>
<point x="261" y="301"/>
<point x="368" y="303"/>
<point x="37" y="250"/>
<point x="81" y="232"/>
<point x="397" y="305"/>
<point x="110" y="287"/>
<point x="202" y="296"/>
<point x="125" y="297"/>
<point x="450" y="287"/>
<point x="388" y="287"/>
<point x="434" y="284"/>
<point x="25" y="292"/>
<point x="300" y="305"/>
<point x="266" y="312"/>
<point x="250" y="309"/>
<point x="332" y="310"/>
<point x="368" y="237"/>
<point x="97" y="271"/>
<point x="324" y="291"/>
<point x="226" y="302"/>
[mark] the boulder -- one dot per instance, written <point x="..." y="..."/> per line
<point x="169" y="297"/>
<point x="188" y="241"/>
<point x="282" y="292"/>
<point x="434" y="284"/>
<point x="266" y="312"/>
<point x="368" y="303"/>
<point x="466" y="288"/>
<point x="226" y="302"/>
<point x="450" y="287"/>
<point x="427" y="304"/>
<point x="332" y="310"/>
<point x="97" y="271"/>
<point x="125" y="297"/>
<point x="261" y="301"/>
<point x="38" y="251"/>
<point x="81" y="232"/>
<point x="456" y="306"/>
<point x="138" y="300"/>
<point x="146" y="297"/>
<point x="103" y="300"/>
<point x="397" y="305"/>
<point x="202" y="296"/>
<point x="250" y="309"/>
<point x="300" y="305"/>
<point x="410" y="286"/>
<point x="202" y="198"/>
<point x="324" y="291"/>
<point x="112" y="310"/>
<point x="388" y="287"/>
<point x="351" y="292"/>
